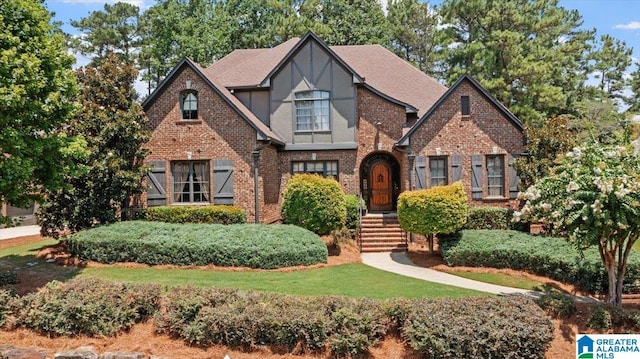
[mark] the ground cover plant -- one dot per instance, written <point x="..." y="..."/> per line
<point x="547" y="256"/>
<point x="240" y="245"/>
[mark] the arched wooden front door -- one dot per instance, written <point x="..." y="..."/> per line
<point x="381" y="187"/>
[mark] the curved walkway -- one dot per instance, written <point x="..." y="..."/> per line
<point x="20" y="231"/>
<point x="399" y="263"/>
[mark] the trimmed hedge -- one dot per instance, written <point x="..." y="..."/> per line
<point x="441" y="209"/>
<point x="314" y="203"/>
<point x="87" y="306"/>
<point x="547" y="256"/>
<point x="196" y="214"/>
<point x="239" y="245"/>
<point x="5" y="305"/>
<point x="557" y="305"/>
<point x="478" y="327"/>
<point x="488" y="218"/>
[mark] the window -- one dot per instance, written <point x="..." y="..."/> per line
<point x="465" y="107"/>
<point x="190" y="181"/>
<point x="323" y="168"/>
<point x="495" y="176"/>
<point x="189" y="104"/>
<point x="438" y="171"/>
<point x="312" y="111"/>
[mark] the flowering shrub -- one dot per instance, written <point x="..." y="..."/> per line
<point x="593" y="197"/>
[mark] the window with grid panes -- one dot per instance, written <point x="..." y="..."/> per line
<point x="438" y="171"/>
<point x="190" y="181"/>
<point x="312" y="111"/>
<point x="189" y="105"/>
<point x="322" y="168"/>
<point x="495" y="176"/>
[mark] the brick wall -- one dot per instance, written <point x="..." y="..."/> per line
<point x="486" y="131"/>
<point x="219" y="133"/>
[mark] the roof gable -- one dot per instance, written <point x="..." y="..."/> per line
<point x="263" y="130"/>
<point x="474" y="83"/>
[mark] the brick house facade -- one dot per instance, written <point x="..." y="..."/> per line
<point x="357" y="113"/>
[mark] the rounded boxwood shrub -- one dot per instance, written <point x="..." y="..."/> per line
<point x="314" y="203"/>
<point x="488" y="218"/>
<point x="441" y="209"/>
<point x="234" y="245"/>
<point x="557" y="305"/>
<point x="196" y="214"/>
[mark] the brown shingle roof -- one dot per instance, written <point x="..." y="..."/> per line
<point x="391" y="75"/>
<point x="248" y="68"/>
<point x="382" y="70"/>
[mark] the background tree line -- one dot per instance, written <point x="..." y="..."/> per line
<point x="533" y="55"/>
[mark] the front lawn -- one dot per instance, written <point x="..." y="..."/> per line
<point x="501" y="279"/>
<point x="354" y="280"/>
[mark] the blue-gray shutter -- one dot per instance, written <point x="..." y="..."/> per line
<point x="476" y="176"/>
<point x="421" y="172"/>
<point x="157" y="194"/>
<point x="456" y="168"/>
<point x="223" y="181"/>
<point x="513" y="179"/>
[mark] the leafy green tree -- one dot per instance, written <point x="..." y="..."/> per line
<point x="413" y="27"/>
<point x="173" y="29"/>
<point x="531" y="54"/>
<point x="347" y="22"/>
<point x="634" y="100"/>
<point x="544" y="145"/>
<point x="592" y="196"/>
<point x="598" y="118"/>
<point x="609" y="65"/>
<point x="441" y="209"/>
<point x="36" y="91"/>
<point x="112" y="124"/>
<point x="112" y="31"/>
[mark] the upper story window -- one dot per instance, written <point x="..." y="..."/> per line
<point x="189" y="104"/>
<point x="312" y="111"/>
<point x="465" y="107"/>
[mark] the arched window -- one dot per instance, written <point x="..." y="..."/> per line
<point x="189" y="104"/>
<point x="312" y="111"/>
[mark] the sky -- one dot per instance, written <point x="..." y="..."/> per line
<point x="618" y="18"/>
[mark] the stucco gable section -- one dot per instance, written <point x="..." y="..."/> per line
<point x="405" y="140"/>
<point x="262" y="130"/>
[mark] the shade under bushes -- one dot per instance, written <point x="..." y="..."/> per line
<point x="239" y="245"/>
<point x="547" y="256"/>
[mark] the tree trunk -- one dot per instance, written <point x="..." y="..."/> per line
<point x="611" y="274"/>
<point x="430" y="237"/>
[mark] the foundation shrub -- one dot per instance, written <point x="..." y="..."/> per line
<point x="547" y="256"/>
<point x="216" y="214"/>
<point x="314" y="203"/>
<point x="488" y="218"/>
<point x="352" y="219"/>
<point x="606" y="316"/>
<point x="6" y="300"/>
<point x="239" y="245"/>
<point x="483" y="327"/>
<point x="86" y="306"/>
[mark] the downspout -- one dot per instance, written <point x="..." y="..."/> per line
<point x="255" y="154"/>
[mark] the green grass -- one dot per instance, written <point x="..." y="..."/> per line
<point x="501" y="279"/>
<point x="353" y="280"/>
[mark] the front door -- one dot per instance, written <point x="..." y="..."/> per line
<point x="381" y="187"/>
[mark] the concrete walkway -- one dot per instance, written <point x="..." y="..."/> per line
<point x="20" y="231"/>
<point x="399" y="263"/>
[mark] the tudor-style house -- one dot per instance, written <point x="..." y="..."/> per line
<point x="235" y="132"/>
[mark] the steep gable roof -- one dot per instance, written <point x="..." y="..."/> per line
<point x="376" y="68"/>
<point x="405" y="139"/>
<point x="262" y="129"/>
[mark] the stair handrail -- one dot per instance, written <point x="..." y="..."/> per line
<point x="359" y="231"/>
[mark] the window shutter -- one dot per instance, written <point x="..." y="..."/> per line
<point x="513" y="179"/>
<point x="476" y="176"/>
<point x="157" y="194"/>
<point x="223" y="181"/>
<point x="421" y="172"/>
<point x="456" y="168"/>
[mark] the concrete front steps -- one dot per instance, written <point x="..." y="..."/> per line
<point x="382" y="233"/>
